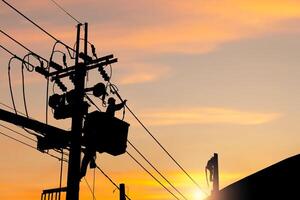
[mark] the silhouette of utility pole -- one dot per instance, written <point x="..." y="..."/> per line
<point x="50" y="137"/>
<point x="215" y="190"/>
<point x="73" y="180"/>
<point x="122" y="192"/>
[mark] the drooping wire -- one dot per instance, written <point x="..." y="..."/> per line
<point x="23" y="87"/>
<point x="10" y="85"/>
<point x="39" y="58"/>
<point x="66" y="12"/>
<point x="110" y="180"/>
<point x="152" y="176"/>
<point x="156" y="169"/>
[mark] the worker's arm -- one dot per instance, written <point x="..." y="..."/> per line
<point x="120" y="105"/>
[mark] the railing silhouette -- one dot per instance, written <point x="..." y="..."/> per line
<point x="53" y="194"/>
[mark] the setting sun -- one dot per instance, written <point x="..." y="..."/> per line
<point x="199" y="195"/>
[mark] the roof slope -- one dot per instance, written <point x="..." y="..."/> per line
<point x="279" y="181"/>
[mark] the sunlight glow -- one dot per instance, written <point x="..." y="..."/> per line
<point x="199" y="195"/>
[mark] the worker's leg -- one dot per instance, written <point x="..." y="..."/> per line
<point x="85" y="161"/>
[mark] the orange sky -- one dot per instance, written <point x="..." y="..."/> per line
<point x="205" y="76"/>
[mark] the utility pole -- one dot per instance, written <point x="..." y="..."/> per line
<point x="73" y="180"/>
<point x="215" y="190"/>
<point x="122" y="192"/>
<point x="71" y="104"/>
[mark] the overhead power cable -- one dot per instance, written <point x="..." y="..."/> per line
<point x="90" y="188"/>
<point x="19" y="43"/>
<point x="156" y="169"/>
<point x="110" y="180"/>
<point x="24" y="143"/>
<point x="156" y="140"/>
<point x="21" y="134"/>
<point x="152" y="176"/>
<point x="146" y="161"/>
<point x="66" y="12"/>
<point x="28" y="145"/>
<point x="38" y="26"/>
<point x="11" y="108"/>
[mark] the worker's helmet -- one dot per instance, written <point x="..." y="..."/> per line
<point x="111" y="100"/>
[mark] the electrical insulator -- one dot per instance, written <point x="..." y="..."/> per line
<point x="60" y="85"/>
<point x="85" y="57"/>
<point x="94" y="51"/>
<point x="42" y="71"/>
<point x="55" y="65"/>
<point x="65" y="60"/>
<point x="72" y="78"/>
<point x="103" y="73"/>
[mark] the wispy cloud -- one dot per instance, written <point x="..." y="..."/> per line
<point x="207" y="115"/>
<point x="140" y="73"/>
<point x="202" y="26"/>
<point x="177" y="26"/>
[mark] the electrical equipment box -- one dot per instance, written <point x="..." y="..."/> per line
<point x="104" y="133"/>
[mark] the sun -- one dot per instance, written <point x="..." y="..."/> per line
<point x="199" y="195"/>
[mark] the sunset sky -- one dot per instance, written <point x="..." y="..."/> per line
<point x="204" y="76"/>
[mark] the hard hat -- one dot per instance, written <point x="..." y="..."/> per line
<point x="111" y="100"/>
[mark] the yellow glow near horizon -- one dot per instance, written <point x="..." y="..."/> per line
<point x="199" y="195"/>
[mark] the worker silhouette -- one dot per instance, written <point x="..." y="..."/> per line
<point x="113" y="107"/>
<point x="90" y="151"/>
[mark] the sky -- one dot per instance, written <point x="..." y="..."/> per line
<point x="217" y="76"/>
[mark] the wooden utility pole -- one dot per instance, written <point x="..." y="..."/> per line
<point x="122" y="192"/>
<point x="73" y="180"/>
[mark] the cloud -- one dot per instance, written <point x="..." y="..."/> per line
<point x="141" y="73"/>
<point x="177" y="26"/>
<point x="207" y="115"/>
<point x="201" y="26"/>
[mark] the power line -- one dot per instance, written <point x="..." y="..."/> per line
<point x="18" y="133"/>
<point x="110" y="180"/>
<point x="28" y="145"/>
<point x="22" y="45"/>
<point x="9" y="107"/>
<point x="146" y="161"/>
<point x="156" y="169"/>
<point x="66" y="12"/>
<point x="24" y="143"/>
<point x="38" y="26"/>
<point x="163" y="148"/>
<point x="152" y="176"/>
<point x="87" y="183"/>
<point x="115" y="91"/>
